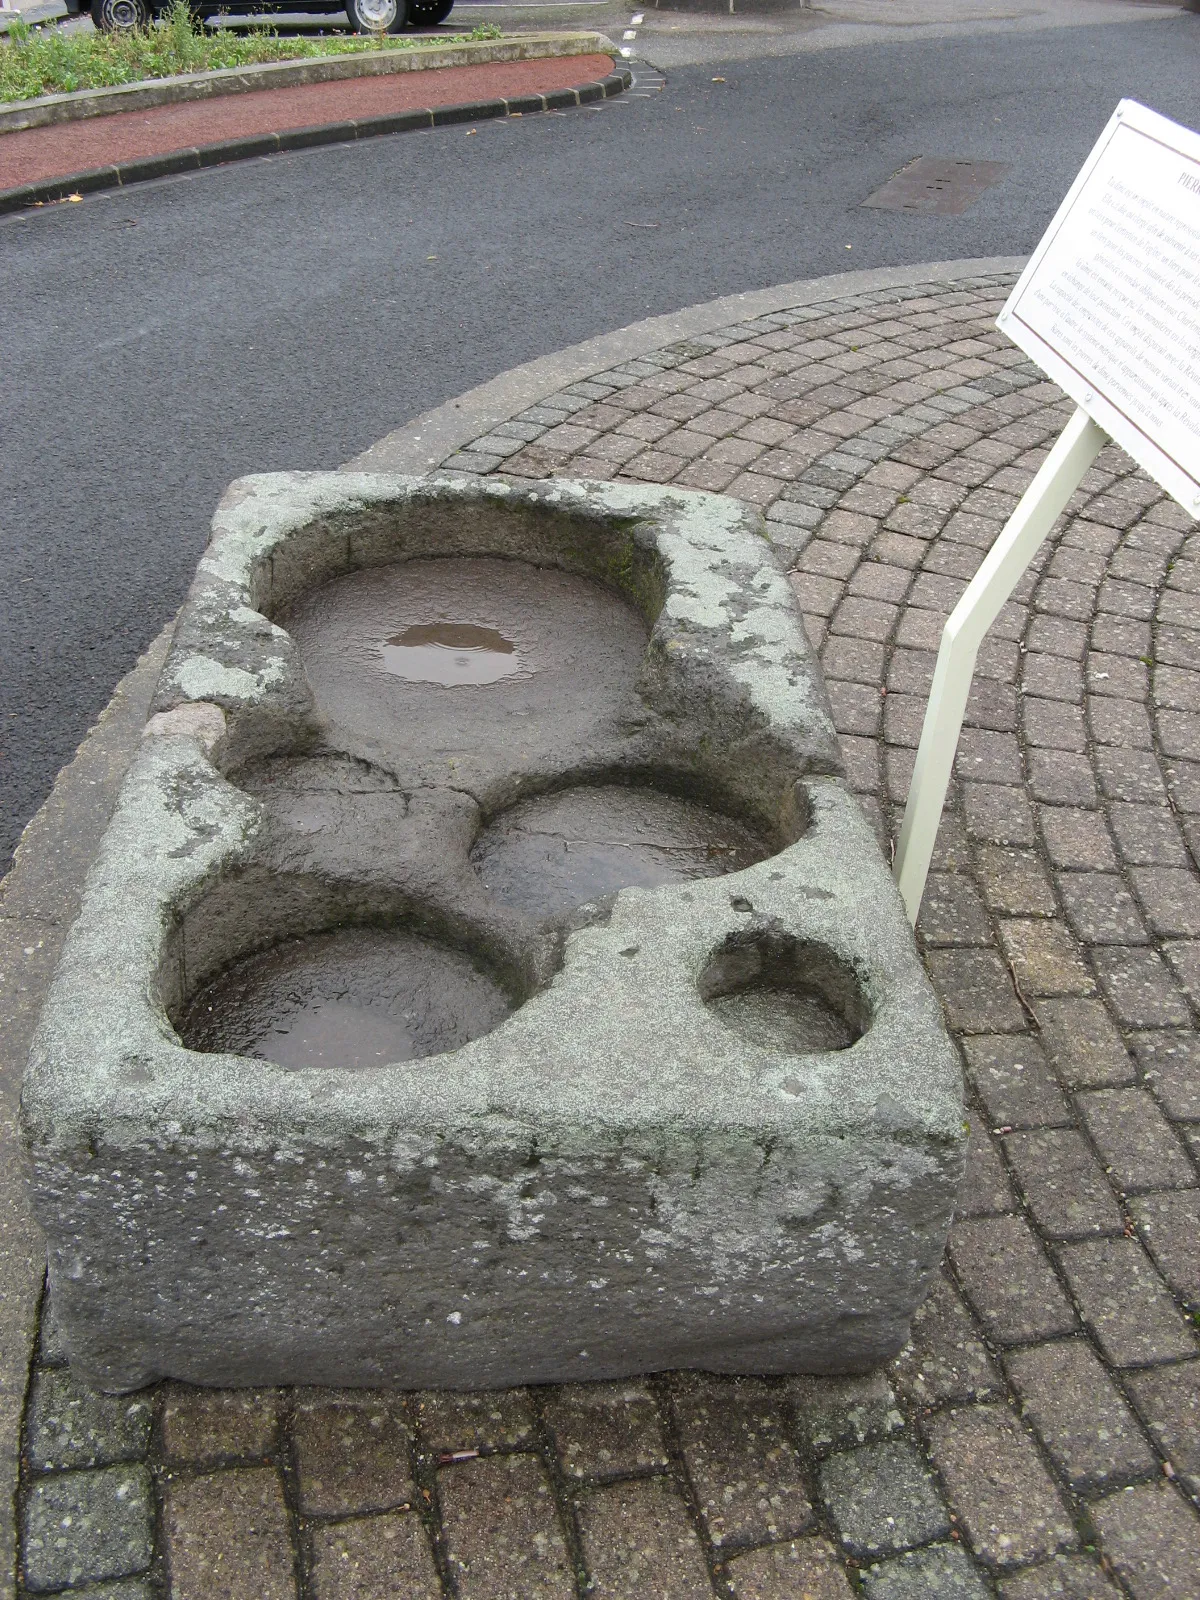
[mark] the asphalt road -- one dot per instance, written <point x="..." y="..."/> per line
<point x="280" y="313"/>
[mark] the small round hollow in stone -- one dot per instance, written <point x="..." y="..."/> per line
<point x="785" y="995"/>
<point x="349" y="998"/>
<point x="547" y="855"/>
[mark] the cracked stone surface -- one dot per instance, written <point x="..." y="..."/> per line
<point x="886" y="437"/>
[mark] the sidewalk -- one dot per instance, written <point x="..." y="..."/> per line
<point x="39" y="155"/>
<point x="1041" y="1436"/>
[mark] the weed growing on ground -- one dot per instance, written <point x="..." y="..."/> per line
<point x="38" y="61"/>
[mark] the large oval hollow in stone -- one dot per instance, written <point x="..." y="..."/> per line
<point x="355" y="997"/>
<point x="784" y="994"/>
<point x="478" y="663"/>
<point x="547" y="855"/>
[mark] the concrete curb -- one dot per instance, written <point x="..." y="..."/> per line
<point x="193" y="158"/>
<point x="50" y="11"/>
<point x="18" y="115"/>
<point x="425" y="442"/>
<point x="40" y="896"/>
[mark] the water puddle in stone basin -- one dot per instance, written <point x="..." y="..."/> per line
<point x="475" y="660"/>
<point x="547" y="855"/>
<point x="356" y="997"/>
<point x="451" y="654"/>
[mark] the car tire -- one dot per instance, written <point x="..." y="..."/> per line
<point x="377" y="16"/>
<point x="428" y="13"/>
<point x="121" y="16"/>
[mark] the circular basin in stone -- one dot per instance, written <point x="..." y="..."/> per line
<point x="352" y="997"/>
<point x="783" y="994"/>
<point x="477" y="658"/>
<point x="547" y="855"/>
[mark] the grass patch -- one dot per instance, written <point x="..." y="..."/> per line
<point x="45" y="61"/>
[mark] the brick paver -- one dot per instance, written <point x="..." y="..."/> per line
<point x="1039" y="1437"/>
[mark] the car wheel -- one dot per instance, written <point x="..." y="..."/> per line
<point x="428" y="13"/>
<point x="121" y="16"/>
<point x="377" y="16"/>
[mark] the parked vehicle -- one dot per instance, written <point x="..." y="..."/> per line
<point x="365" y="16"/>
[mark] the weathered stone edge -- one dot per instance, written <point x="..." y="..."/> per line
<point x="727" y="665"/>
<point x="266" y="144"/>
<point x="427" y="441"/>
<point x="54" y="108"/>
<point x="38" y="901"/>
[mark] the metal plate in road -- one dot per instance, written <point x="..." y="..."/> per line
<point x="937" y="187"/>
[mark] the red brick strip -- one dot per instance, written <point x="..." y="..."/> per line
<point x="128" y="146"/>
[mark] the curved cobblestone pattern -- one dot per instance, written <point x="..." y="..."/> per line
<point x="1041" y="1435"/>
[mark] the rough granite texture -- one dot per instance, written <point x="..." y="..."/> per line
<point x="590" y="1190"/>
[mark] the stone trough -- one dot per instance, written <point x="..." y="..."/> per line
<point x="486" y="976"/>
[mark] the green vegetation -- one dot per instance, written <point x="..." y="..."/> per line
<point x="46" y="61"/>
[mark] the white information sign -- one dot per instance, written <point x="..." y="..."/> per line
<point x="1109" y="305"/>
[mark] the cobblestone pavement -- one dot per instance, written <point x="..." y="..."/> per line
<point x="1041" y="1436"/>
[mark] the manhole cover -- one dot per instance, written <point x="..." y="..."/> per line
<point x="937" y="187"/>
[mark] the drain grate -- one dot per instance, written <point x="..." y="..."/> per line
<point x="937" y="187"/>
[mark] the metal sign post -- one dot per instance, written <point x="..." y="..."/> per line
<point x="1109" y="308"/>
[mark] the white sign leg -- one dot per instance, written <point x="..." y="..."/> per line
<point x="1059" y="476"/>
